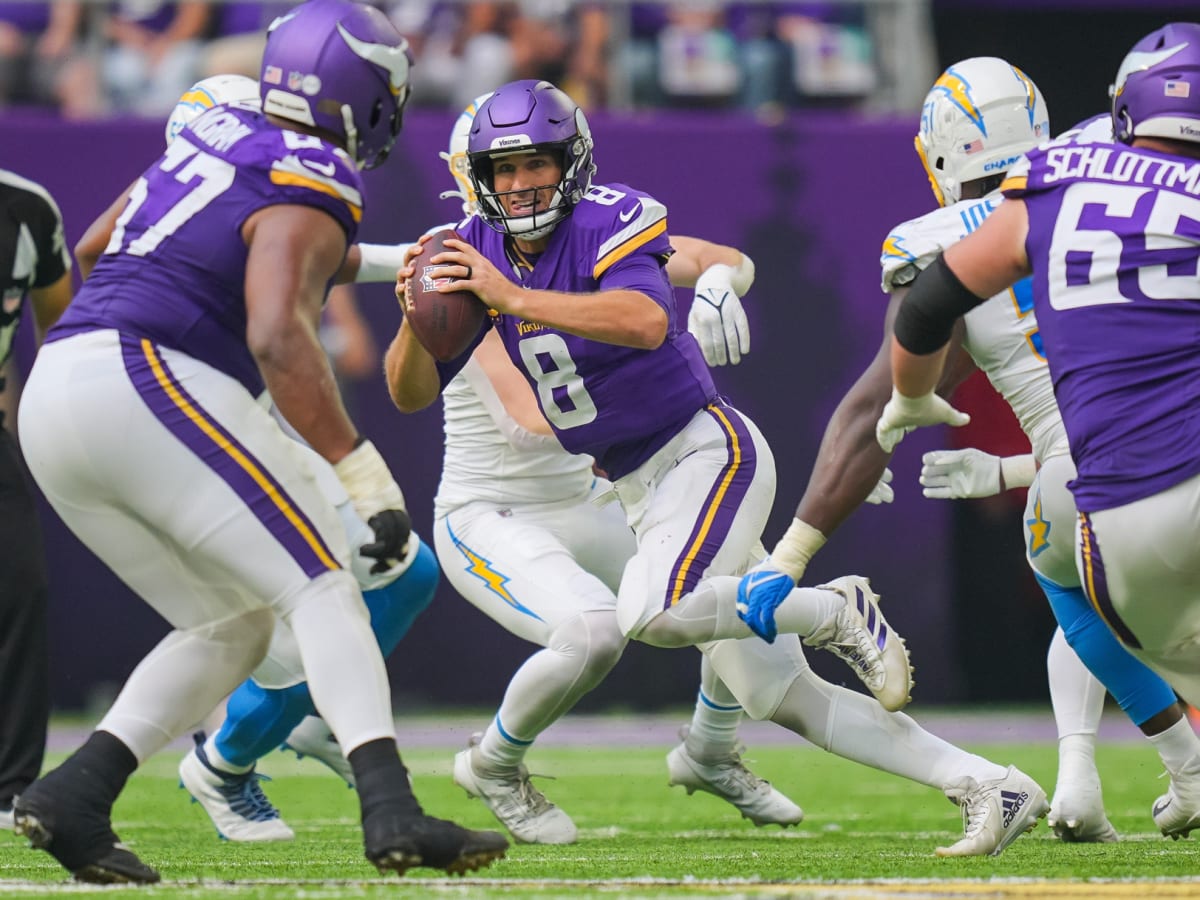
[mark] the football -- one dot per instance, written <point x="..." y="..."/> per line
<point x="444" y="323"/>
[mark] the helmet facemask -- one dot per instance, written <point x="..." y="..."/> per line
<point x="530" y="117"/>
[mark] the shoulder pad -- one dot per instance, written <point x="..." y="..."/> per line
<point x="309" y="162"/>
<point x="620" y="220"/>
<point x="913" y="245"/>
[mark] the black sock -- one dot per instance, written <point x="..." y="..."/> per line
<point x="382" y="779"/>
<point x="104" y="764"/>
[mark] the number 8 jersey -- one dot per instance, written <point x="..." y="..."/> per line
<point x="617" y="404"/>
<point x="1114" y="242"/>
<point x="174" y="270"/>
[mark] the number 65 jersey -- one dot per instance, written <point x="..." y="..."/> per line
<point x="175" y="267"/>
<point x="1114" y="243"/>
<point x="1002" y="334"/>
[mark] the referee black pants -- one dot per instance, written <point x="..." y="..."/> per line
<point x="24" y="653"/>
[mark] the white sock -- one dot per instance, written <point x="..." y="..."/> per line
<point x="580" y="652"/>
<point x="856" y="727"/>
<point x="341" y="658"/>
<point x="1076" y="695"/>
<point x="220" y="763"/>
<point x="1077" y="758"/>
<point x="180" y="681"/>
<point x="804" y="609"/>
<point x="1177" y="745"/>
<point x="712" y="735"/>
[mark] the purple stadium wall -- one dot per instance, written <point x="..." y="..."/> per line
<point x="810" y="200"/>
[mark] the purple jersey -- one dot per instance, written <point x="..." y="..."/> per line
<point x="1114" y="241"/>
<point x="618" y="404"/>
<point x="175" y="267"/>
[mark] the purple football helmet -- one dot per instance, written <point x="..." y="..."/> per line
<point x="525" y="117"/>
<point x="1157" y="89"/>
<point x="340" y="66"/>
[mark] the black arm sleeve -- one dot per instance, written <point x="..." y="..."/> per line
<point x="934" y="303"/>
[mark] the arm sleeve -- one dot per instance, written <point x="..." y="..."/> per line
<point x="927" y="315"/>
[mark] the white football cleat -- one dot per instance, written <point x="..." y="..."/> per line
<point x="995" y="813"/>
<point x="520" y="807"/>
<point x="859" y="634"/>
<point x="1077" y="812"/>
<point x="734" y="783"/>
<point x="312" y="737"/>
<point x="1177" y="812"/>
<point x="235" y="803"/>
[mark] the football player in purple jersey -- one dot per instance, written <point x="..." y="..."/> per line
<point x="144" y="430"/>
<point x="1109" y="233"/>
<point x="573" y="272"/>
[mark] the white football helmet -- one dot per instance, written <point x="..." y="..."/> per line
<point x="219" y="90"/>
<point x="979" y="118"/>
<point x="456" y="159"/>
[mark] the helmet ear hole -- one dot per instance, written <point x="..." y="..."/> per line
<point x="376" y="113"/>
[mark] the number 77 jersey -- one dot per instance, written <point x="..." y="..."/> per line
<point x="175" y="266"/>
<point x="1002" y="335"/>
<point x="1114" y="243"/>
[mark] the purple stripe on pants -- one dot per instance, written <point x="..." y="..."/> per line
<point x="181" y="415"/>
<point x="720" y="507"/>
<point x="1096" y="585"/>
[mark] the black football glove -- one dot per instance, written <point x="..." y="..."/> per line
<point x="392" y="528"/>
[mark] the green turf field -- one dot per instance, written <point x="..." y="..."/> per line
<point x="640" y="839"/>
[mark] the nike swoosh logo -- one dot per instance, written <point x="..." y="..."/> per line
<point x="1159" y="809"/>
<point x="625" y="217"/>
<point x="326" y="169"/>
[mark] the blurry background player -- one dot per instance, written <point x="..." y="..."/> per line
<point x="142" y="417"/>
<point x="268" y="708"/>
<point x="524" y="532"/>
<point x="34" y="263"/>
<point x="551" y="182"/>
<point x="1118" y="303"/>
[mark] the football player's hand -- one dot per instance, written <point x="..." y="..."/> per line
<point x="882" y="492"/>
<point x="960" y="474"/>
<point x="904" y="414"/>
<point x="759" y="594"/>
<point x="392" y="529"/>
<point x="374" y="493"/>
<point x="717" y="320"/>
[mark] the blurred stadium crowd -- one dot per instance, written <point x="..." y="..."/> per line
<point x="98" y="59"/>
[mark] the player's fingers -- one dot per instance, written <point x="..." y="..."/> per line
<point x="938" y="493"/>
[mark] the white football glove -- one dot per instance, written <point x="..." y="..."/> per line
<point x="882" y="492"/>
<point x="960" y="474"/>
<point x="378" y="501"/>
<point x="717" y="319"/>
<point x="904" y="414"/>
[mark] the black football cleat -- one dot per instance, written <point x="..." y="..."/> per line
<point x="397" y="843"/>
<point x="79" y="836"/>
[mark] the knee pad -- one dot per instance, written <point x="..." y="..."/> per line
<point x="594" y="638"/>
<point x="1139" y="691"/>
<point x="395" y="606"/>
<point x="248" y="634"/>
<point x="758" y="674"/>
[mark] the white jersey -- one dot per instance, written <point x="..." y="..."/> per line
<point x="490" y="457"/>
<point x="1001" y="334"/>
